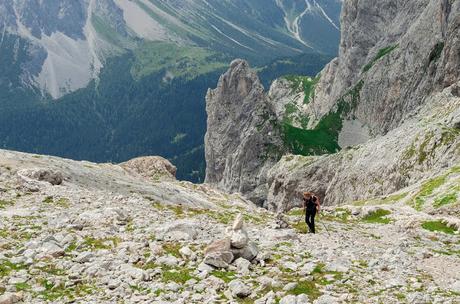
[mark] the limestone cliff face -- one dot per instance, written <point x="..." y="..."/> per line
<point x="395" y="71"/>
<point x="240" y="139"/>
<point x="398" y="52"/>
<point x="421" y="148"/>
<point x="389" y="101"/>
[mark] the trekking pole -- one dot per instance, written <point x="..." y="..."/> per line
<point x="325" y="227"/>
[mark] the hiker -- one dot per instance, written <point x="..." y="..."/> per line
<point x="311" y="206"/>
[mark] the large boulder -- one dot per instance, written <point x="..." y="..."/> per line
<point x="249" y="252"/>
<point x="180" y="230"/>
<point x="219" y="259"/>
<point x="43" y="175"/>
<point x="217" y="246"/>
<point x="151" y="167"/>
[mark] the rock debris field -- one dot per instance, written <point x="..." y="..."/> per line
<point x="77" y="232"/>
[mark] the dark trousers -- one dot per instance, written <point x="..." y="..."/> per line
<point x="310" y="219"/>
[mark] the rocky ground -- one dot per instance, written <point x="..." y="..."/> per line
<point x="132" y="234"/>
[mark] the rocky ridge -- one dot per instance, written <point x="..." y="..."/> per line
<point x="236" y="154"/>
<point x="105" y="234"/>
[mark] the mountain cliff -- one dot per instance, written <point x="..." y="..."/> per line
<point x="386" y="108"/>
<point x="238" y="109"/>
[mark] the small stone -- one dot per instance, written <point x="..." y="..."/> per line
<point x="239" y="239"/>
<point x="168" y="260"/>
<point x="52" y="249"/>
<point x="242" y="265"/>
<point x="29" y="253"/>
<point x="238" y="223"/>
<point x="290" y="265"/>
<point x="84" y="257"/>
<point x="290" y="299"/>
<point x="456" y="287"/>
<point x="133" y="272"/>
<point x="42" y="174"/>
<point x="10" y="298"/>
<point x="205" y="268"/>
<point x="186" y="252"/>
<point x="290" y="286"/>
<point x="326" y="299"/>
<point x="219" y="259"/>
<point x="249" y="252"/>
<point x="239" y="289"/>
<point x="302" y="299"/>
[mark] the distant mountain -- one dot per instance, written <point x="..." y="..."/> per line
<point x="69" y="41"/>
<point x="107" y="80"/>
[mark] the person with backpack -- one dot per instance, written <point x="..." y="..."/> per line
<point x="311" y="205"/>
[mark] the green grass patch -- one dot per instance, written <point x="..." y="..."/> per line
<point x="179" y="276"/>
<point x="54" y="292"/>
<point x="449" y="252"/>
<point x="438" y="226"/>
<point x="377" y="217"/>
<point x="48" y="200"/>
<point x="6" y="267"/>
<point x="381" y="53"/>
<point x="108" y="33"/>
<point x="426" y="190"/>
<point x="61" y="202"/>
<point x="225" y="276"/>
<point x="321" y="277"/>
<point x="140" y="289"/>
<point x="71" y="247"/>
<point x="446" y="200"/>
<point x="308" y="288"/>
<point x="382" y="200"/>
<point x="22" y="286"/>
<point x="340" y="215"/>
<point x="304" y="83"/>
<point x="323" y="139"/>
<point x="100" y="244"/>
<point x="52" y="269"/>
<point x="4" y="204"/>
<point x="296" y="212"/>
<point x="188" y="62"/>
<point x="172" y="249"/>
<point x="300" y="226"/>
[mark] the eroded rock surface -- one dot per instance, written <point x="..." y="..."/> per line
<point x="238" y="135"/>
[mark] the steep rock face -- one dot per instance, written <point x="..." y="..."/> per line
<point x="239" y="139"/>
<point x="421" y="148"/>
<point x="393" y="90"/>
<point x="396" y="52"/>
<point x="395" y="75"/>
